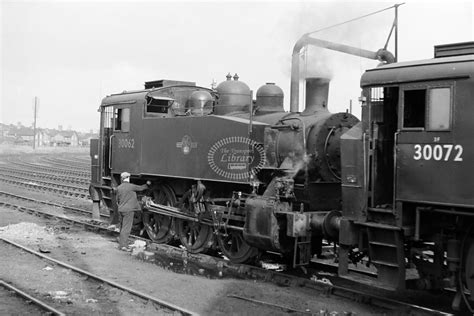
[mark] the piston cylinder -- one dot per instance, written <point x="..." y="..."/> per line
<point x="327" y="224"/>
<point x="263" y="225"/>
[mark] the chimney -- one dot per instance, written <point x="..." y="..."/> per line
<point x="317" y="91"/>
<point x="382" y="55"/>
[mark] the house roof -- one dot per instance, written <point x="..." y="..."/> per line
<point x="67" y="134"/>
<point x="88" y="136"/>
<point x="23" y="131"/>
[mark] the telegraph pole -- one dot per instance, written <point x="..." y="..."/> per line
<point x="34" y="122"/>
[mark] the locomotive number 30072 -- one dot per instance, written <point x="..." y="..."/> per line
<point x="445" y="152"/>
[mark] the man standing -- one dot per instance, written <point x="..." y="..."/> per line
<point x="127" y="205"/>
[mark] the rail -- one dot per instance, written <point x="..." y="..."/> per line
<point x="30" y="298"/>
<point x="145" y="296"/>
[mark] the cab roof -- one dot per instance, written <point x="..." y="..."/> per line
<point x="132" y="96"/>
<point x="417" y="71"/>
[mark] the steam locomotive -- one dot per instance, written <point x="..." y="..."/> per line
<point x="242" y="175"/>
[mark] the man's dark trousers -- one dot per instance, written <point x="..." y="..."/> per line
<point x="127" y="221"/>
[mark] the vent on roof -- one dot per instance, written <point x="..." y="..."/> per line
<point x="167" y="83"/>
<point x="456" y="49"/>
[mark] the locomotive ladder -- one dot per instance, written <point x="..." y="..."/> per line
<point x="302" y="251"/>
<point x="386" y="251"/>
<point x="106" y="191"/>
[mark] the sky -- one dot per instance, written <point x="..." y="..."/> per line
<point x="71" y="54"/>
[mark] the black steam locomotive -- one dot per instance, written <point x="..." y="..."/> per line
<point x="394" y="189"/>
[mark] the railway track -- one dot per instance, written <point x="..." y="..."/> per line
<point x="217" y="263"/>
<point x="28" y="300"/>
<point x="88" y="224"/>
<point x="67" y="161"/>
<point x="60" y="188"/>
<point x="75" y="210"/>
<point x="97" y="282"/>
<point x="62" y="162"/>
<point x="46" y="175"/>
<point x="222" y="267"/>
<point x="60" y="171"/>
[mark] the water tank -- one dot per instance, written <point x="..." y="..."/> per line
<point x="234" y="95"/>
<point x="270" y="98"/>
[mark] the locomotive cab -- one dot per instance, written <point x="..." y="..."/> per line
<point x="407" y="200"/>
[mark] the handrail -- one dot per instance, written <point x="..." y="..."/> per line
<point x="110" y="151"/>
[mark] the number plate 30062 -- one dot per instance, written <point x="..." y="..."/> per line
<point x="126" y="143"/>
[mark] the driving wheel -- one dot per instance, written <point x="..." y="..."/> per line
<point x="196" y="237"/>
<point x="160" y="228"/>
<point x="234" y="247"/>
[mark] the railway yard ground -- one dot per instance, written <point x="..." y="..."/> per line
<point x="118" y="282"/>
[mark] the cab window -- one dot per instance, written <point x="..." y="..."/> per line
<point x="414" y="108"/>
<point x="157" y="105"/>
<point x="122" y="119"/>
<point x="439" y="109"/>
<point x="428" y="108"/>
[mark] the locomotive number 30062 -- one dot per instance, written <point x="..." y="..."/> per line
<point x="445" y="152"/>
<point x="126" y="143"/>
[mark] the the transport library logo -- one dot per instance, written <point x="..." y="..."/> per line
<point x="236" y="158"/>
